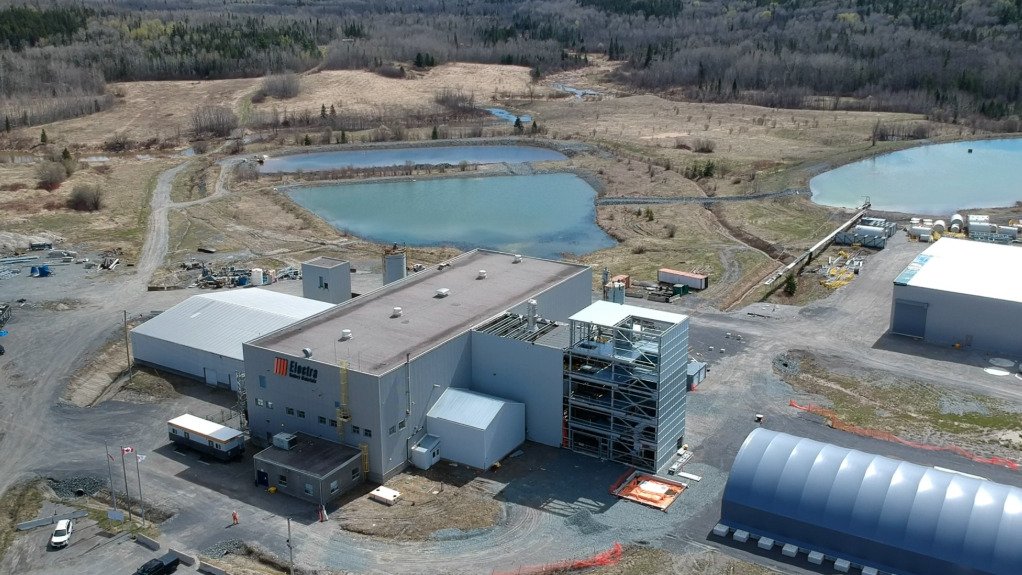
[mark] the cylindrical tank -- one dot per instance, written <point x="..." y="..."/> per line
<point x="1010" y="231"/>
<point x="956" y="228"/>
<point x="257" y="276"/>
<point x="915" y="221"/>
<point x="617" y="292"/>
<point x="927" y="222"/>
<point x="870" y="231"/>
<point x="394" y="265"/>
<point x="925" y="238"/>
<point x="939" y="226"/>
<point x="982" y="227"/>
<point x="917" y="231"/>
<point x="958" y="219"/>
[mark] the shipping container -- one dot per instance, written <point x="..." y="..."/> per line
<point x="692" y="280"/>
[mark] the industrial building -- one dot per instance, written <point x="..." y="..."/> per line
<point x="962" y="293"/>
<point x="869" y="512"/>
<point x="201" y="337"/>
<point x="465" y="360"/>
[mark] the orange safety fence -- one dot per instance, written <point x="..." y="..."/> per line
<point x="837" y="423"/>
<point x="602" y="559"/>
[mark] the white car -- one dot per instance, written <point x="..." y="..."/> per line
<point x="62" y="533"/>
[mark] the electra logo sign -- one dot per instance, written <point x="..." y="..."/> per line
<point x="294" y="369"/>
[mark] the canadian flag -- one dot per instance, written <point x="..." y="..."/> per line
<point x="125" y="450"/>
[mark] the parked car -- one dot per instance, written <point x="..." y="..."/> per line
<point x="62" y="533"/>
<point x="161" y="566"/>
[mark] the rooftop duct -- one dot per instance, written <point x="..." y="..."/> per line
<point x="482" y="275"/>
<point x="345" y="335"/>
<point x="396" y="313"/>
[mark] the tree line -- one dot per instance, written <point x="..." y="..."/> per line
<point x="946" y="58"/>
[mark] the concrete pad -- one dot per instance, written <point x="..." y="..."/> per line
<point x="842" y="565"/>
<point x="869" y="571"/>
<point x="721" y="530"/>
<point x="790" y="550"/>
<point x="765" y="543"/>
<point x="741" y="536"/>
<point x="816" y="558"/>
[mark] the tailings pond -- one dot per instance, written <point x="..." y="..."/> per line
<point x="932" y="180"/>
<point x="542" y="215"/>
<point x="427" y="155"/>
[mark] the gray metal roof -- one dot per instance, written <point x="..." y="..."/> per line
<point x="380" y="341"/>
<point x="311" y="455"/>
<point x="892" y="515"/>
<point x="220" y="322"/>
<point x="325" y="262"/>
<point x="468" y="408"/>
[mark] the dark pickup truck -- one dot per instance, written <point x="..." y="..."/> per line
<point x="161" y="566"/>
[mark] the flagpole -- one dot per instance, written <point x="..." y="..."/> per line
<point x="126" y="497"/>
<point x="141" y="503"/>
<point x="110" y="471"/>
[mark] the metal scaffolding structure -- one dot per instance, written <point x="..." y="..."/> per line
<point x="625" y="388"/>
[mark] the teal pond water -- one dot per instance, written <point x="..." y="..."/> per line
<point x="938" y="179"/>
<point x="542" y="215"/>
<point x="426" y="155"/>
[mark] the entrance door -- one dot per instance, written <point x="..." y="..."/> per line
<point x="210" y="376"/>
<point x="909" y="318"/>
<point x="262" y="478"/>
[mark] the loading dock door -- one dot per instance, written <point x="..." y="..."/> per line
<point x="909" y="318"/>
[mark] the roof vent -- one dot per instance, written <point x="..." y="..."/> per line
<point x="345" y="334"/>
<point x="482" y="275"/>
<point x="396" y="312"/>
<point x="306" y="352"/>
<point x="443" y="292"/>
<point x="517" y="259"/>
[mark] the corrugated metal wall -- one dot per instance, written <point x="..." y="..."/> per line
<point x="981" y="323"/>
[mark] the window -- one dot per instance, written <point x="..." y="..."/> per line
<point x="308" y="489"/>
<point x="174" y="431"/>
<point x="289" y="410"/>
<point x="322" y="420"/>
<point x="282" y="480"/>
<point x="392" y="430"/>
<point x="368" y="432"/>
<point x="210" y="442"/>
<point x="334" y="486"/>
<point x="323" y="284"/>
<point x="355" y="429"/>
<point x="333" y="423"/>
<point x="401" y="424"/>
<point x="260" y="402"/>
<point x="187" y="436"/>
<point x="301" y="414"/>
<point x="436" y="452"/>
<point x="356" y="473"/>
<point x="217" y="445"/>
<point x="262" y="381"/>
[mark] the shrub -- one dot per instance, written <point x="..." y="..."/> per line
<point x="117" y="143"/>
<point x="703" y="146"/>
<point x="51" y="175"/>
<point x="200" y="146"/>
<point x="235" y="146"/>
<point x="215" y="120"/>
<point x="640" y="249"/>
<point x="281" y="86"/>
<point x="85" y="198"/>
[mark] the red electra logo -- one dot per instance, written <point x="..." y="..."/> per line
<point x="280" y="366"/>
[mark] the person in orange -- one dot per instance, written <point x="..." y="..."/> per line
<point x="234" y="517"/>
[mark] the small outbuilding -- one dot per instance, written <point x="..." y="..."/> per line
<point x="308" y="467"/>
<point x="861" y="509"/>
<point x="202" y="336"/>
<point x="475" y="429"/>
<point x="962" y="293"/>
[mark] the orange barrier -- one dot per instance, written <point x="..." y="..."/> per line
<point x="602" y="559"/>
<point x="836" y="423"/>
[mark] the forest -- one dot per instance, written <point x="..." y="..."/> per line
<point x="950" y="59"/>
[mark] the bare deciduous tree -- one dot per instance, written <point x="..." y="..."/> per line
<point x="214" y="120"/>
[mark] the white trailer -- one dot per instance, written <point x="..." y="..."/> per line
<point x="692" y="280"/>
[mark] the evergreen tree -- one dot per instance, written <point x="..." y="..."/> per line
<point x="307" y="141"/>
<point x="7" y="123"/>
<point x="418" y="59"/>
<point x="790" y="285"/>
<point x="435" y="135"/>
<point x="42" y="137"/>
<point x="535" y="127"/>
<point x="649" y="56"/>
<point x="322" y="110"/>
<point x="65" y="155"/>
<point x="519" y="128"/>
<point x="333" y="111"/>
<point x="344" y="137"/>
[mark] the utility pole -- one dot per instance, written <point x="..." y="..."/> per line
<point x="127" y="354"/>
<point x="110" y="471"/>
<point x="141" y="502"/>
<point x="290" y="549"/>
<point x="124" y="469"/>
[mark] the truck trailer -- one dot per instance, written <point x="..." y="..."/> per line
<point x="223" y="443"/>
<point x="675" y="277"/>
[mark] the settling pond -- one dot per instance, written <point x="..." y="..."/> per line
<point x="542" y="215"/>
<point x="431" y="155"/>
<point x="939" y="179"/>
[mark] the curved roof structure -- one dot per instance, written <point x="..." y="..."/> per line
<point x="893" y="515"/>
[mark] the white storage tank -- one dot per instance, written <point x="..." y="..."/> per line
<point x="915" y="221"/>
<point x="982" y="227"/>
<point x="917" y="231"/>
<point x="870" y="231"/>
<point x="1010" y="231"/>
<point x="939" y="226"/>
<point x="958" y="220"/>
<point x="257" y="276"/>
<point x="925" y="238"/>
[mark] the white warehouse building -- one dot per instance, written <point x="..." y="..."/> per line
<point x="202" y="336"/>
<point x="962" y="293"/>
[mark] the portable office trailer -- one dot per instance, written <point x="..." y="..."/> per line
<point x="221" y="442"/>
<point x="692" y="280"/>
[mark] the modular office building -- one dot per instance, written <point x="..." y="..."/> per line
<point x="964" y="293"/>
<point x="371" y="372"/>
